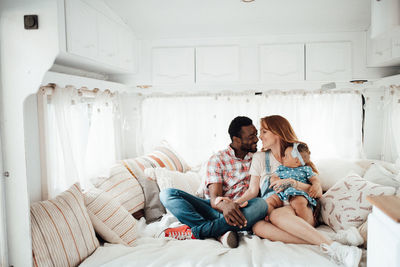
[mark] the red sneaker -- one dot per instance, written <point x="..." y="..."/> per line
<point x="181" y="232"/>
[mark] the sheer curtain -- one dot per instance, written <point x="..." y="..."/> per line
<point x="197" y="126"/>
<point x="80" y="137"/>
<point x="391" y="131"/>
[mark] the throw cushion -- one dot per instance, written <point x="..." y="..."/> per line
<point x="123" y="187"/>
<point x="332" y="170"/>
<point x="345" y="204"/>
<point x="110" y="219"/>
<point x="188" y="182"/>
<point x="376" y="173"/>
<point x="62" y="233"/>
<point x="163" y="157"/>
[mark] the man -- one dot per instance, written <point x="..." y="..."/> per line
<point x="227" y="176"/>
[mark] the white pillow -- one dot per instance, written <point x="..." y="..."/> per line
<point x="345" y="205"/>
<point x="376" y="173"/>
<point x="332" y="170"/>
<point x="188" y="181"/>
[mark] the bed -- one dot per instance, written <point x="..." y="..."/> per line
<point x="75" y="219"/>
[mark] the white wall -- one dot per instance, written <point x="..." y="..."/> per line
<point x="25" y="57"/>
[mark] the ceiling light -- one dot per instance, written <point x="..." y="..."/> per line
<point x="247" y="1"/>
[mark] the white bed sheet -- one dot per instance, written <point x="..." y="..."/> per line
<point x="252" y="251"/>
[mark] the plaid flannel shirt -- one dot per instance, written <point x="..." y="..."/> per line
<point x="232" y="172"/>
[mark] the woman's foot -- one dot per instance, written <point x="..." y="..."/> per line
<point x="348" y="256"/>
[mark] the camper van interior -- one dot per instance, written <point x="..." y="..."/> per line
<point x="107" y="103"/>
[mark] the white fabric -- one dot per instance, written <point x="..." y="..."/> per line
<point x="197" y="125"/>
<point x="257" y="167"/>
<point x="188" y="181"/>
<point x="376" y="173"/>
<point x="332" y="170"/>
<point x="252" y="251"/>
<point x="391" y="127"/>
<point x="80" y="139"/>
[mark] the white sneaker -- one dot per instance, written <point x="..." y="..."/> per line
<point x="229" y="239"/>
<point x="350" y="237"/>
<point x="348" y="256"/>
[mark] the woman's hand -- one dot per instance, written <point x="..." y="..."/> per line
<point x="282" y="184"/>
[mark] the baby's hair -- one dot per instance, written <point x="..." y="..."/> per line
<point x="303" y="148"/>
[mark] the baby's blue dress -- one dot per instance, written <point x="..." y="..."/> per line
<point x="301" y="174"/>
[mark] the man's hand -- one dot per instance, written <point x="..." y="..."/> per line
<point x="232" y="214"/>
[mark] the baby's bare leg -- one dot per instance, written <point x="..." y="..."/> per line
<point x="273" y="202"/>
<point x="300" y="206"/>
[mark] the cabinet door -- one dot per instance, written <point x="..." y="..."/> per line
<point x="385" y="15"/>
<point x="81" y="29"/>
<point x="282" y="62"/>
<point x="126" y="48"/>
<point x="173" y="65"/>
<point x="217" y="64"/>
<point x="328" y="61"/>
<point x="108" y="36"/>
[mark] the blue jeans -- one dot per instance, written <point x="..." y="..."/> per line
<point x="205" y="221"/>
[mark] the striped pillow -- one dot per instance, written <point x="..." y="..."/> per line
<point x="123" y="187"/>
<point x="163" y="157"/>
<point x="110" y="219"/>
<point x="62" y="233"/>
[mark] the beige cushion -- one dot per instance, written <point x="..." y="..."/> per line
<point x="62" y="233"/>
<point x="345" y="204"/>
<point x="332" y="170"/>
<point x="122" y="186"/>
<point x="110" y="219"/>
<point x="188" y="181"/>
<point x="163" y="157"/>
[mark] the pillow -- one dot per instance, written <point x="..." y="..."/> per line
<point x="188" y="182"/>
<point x="164" y="157"/>
<point x="123" y="187"/>
<point x="376" y="173"/>
<point x="110" y="219"/>
<point x="345" y="205"/>
<point x="363" y="229"/>
<point x="332" y="170"/>
<point x="62" y="233"/>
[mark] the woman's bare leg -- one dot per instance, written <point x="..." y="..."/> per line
<point x="286" y="219"/>
<point x="273" y="202"/>
<point x="267" y="230"/>
<point x="301" y="208"/>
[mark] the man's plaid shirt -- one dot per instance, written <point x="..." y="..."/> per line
<point x="232" y="172"/>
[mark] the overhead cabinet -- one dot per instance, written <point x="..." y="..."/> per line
<point x="385" y="16"/>
<point x="217" y="64"/>
<point x="328" y="61"/>
<point x="173" y="65"/>
<point x="93" y="40"/>
<point x="282" y="62"/>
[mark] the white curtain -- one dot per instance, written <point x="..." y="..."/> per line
<point x="391" y="131"/>
<point x="197" y="126"/>
<point x="80" y="138"/>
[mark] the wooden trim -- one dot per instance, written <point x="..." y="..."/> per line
<point x="390" y="205"/>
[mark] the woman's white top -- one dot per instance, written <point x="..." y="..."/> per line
<point x="257" y="167"/>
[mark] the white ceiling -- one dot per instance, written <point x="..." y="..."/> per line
<point x="159" y="19"/>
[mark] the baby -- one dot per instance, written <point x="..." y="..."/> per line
<point x="298" y="167"/>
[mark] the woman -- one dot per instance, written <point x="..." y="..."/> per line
<point x="276" y="134"/>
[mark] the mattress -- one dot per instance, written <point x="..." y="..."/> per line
<point x="151" y="250"/>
